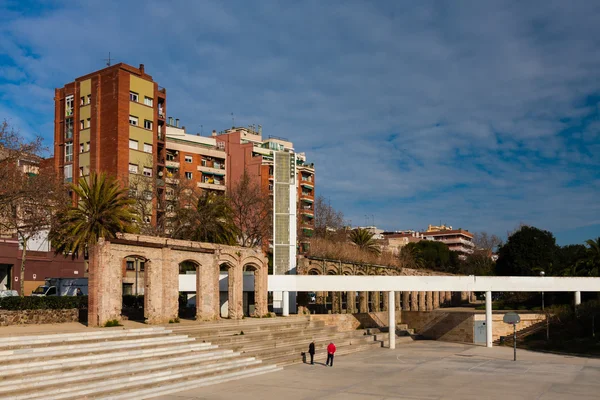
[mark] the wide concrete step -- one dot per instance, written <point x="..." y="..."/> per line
<point x="133" y="381"/>
<point x="38" y="366"/>
<point x="202" y="330"/>
<point x="247" y="322"/>
<point x="46" y="381"/>
<point x="264" y="352"/>
<point x="55" y="352"/>
<point x="192" y="383"/>
<point x="287" y="334"/>
<point x="33" y="340"/>
<point x="321" y="356"/>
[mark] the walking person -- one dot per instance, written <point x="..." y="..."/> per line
<point x="311" y="351"/>
<point x="330" y="353"/>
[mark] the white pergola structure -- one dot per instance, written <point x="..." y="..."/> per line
<point x="391" y="284"/>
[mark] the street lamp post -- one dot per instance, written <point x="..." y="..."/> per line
<point x="542" y="273"/>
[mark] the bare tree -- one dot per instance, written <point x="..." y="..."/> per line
<point x="486" y="242"/>
<point x="252" y="211"/>
<point x="327" y="219"/>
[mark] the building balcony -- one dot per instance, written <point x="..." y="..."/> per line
<point x="306" y="199"/>
<point x="456" y="241"/>
<point x="172" y="164"/>
<point x="212" y="170"/>
<point x="172" y="181"/>
<point x="212" y="185"/>
<point x="307" y="196"/>
<point x="307" y="185"/>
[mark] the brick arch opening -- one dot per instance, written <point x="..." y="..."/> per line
<point x="255" y="300"/>
<point x="230" y="290"/>
<point x="189" y="296"/>
<point x="133" y="286"/>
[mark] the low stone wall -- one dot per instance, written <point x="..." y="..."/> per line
<point x="18" y="317"/>
<point x="458" y="326"/>
<point x="350" y="322"/>
<point x="441" y="325"/>
<point x="499" y="328"/>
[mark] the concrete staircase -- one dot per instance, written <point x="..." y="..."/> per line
<point x="404" y="334"/>
<point x="116" y="364"/>
<point x="280" y="341"/>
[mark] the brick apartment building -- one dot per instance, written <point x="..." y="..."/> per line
<point x="112" y="121"/>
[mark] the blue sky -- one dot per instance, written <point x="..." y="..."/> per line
<point x="481" y="115"/>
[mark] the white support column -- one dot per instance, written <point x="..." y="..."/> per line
<point x="392" y="319"/>
<point x="488" y="318"/>
<point x="577" y="298"/>
<point x="285" y="304"/>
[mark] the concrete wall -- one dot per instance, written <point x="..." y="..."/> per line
<point x="499" y="328"/>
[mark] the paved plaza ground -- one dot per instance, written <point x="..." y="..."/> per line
<point x="421" y="370"/>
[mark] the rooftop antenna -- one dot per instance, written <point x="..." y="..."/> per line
<point x="232" y="120"/>
<point x="201" y="130"/>
<point x="108" y="60"/>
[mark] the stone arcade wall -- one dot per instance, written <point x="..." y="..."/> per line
<point x="18" y="317"/>
<point x="370" y="302"/>
<point x="162" y="258"/>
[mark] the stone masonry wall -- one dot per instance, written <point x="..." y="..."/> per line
<point x="19" y="317"/>
<point x="440" y="325"/>
<point x="350" y="322"/>
<point x="499" y="328"/>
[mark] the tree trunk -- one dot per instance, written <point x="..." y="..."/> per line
<point x="22" y="274"/>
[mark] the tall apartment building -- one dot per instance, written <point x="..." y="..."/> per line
<point x="113" y="121"/>
<point x="194" y="159"/>
<point x="247" y="150"/>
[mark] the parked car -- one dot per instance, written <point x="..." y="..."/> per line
<point x="9" y="293"/>
<point x="45" y="291"/>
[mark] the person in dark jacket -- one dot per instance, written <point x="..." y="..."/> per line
<point x="330" y="353"/>
<point x="311" y="351"/>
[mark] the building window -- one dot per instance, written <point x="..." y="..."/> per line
<point x="80" y="147"/>
<point x="188" y="175"/>
<point x="82" y="100"/>
<point x="147" y="124"/>
<point x="88" y="123"/>
<point x="203" y="162"/>
<point x="130" y="266"/>
<point x="89" y="99"/>
<point x="147" y="171"/>
<point x="133" y="169"/>
<point x="133" y="144"/>
<point x="170" y="157"/>
<point x="132" y="193"/>
<point x="69" y="128"/>
<point x="68" y="173"/>
<point x="270" y="187"/>
<point x="133" y="96"/>
<point x="133" y="120"/>
<point x="143" y="263"/>
<point x="87" y="146"/>
<point x="148" y="101"/>
<point x="69" y="152"/>
<point x="147" y="148"/>
<point x="82" y="124"/>
<point x="147" y="195"/>
<point x="188" y="159"/>
<point x="69" y="106"/>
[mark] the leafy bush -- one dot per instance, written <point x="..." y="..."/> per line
<point x="43" y="303"/>
<point x="133" y="301"/>
<point x="112" y="322"/>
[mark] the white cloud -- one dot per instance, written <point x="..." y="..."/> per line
<point x="475" y="94"/>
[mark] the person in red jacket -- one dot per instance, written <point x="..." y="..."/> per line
<point x="330" y="353"/>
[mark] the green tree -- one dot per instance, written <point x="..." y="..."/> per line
<point x="528" y="251"/>
<point x="592" y="260"/>
<point x="102" y="211"/>
<point x="211" y="221"/>
<point x="479" y="263"/>
<point x="364" y="240"/>
<point x="570" y="259"/>
<point x="434" y="255"/>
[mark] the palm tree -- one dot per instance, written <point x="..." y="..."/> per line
<point x="211" y="221"/>
<point x="410" y="258"/>
<point x="364" y="240"/>
<point x="102" y="211"/>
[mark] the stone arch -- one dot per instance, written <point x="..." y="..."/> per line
<point x="230" y="299"/>
<point x="189" y="294"/>
<point x="259" y="288"/>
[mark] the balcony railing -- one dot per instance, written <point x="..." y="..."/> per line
<point x="172" y="164"/>
<point x="212" y="184"/>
